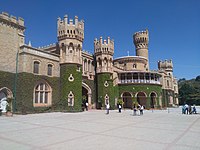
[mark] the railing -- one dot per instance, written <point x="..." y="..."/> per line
<point x="138" y="81"/>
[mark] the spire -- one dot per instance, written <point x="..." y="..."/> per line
<point x="128" y="53"/>
<point x="29" y="43"/>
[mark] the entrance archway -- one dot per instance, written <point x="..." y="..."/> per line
<point x="142" y="98"/>
<point x="87" y="92"/>
<point x="153" y="100"/>
<point x="127" y="99"/>
<point x="5" y="92"/>
<point x="84" y="94"/>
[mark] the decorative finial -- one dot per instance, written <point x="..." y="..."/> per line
<point x="29" y="43"/>
<point x="128" y="53"/>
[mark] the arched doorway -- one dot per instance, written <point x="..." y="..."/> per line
<point x="152" y="100"/>
<point x="5" y="92"/>
<point x="87" y="93"/>
<point x="2" y="95"/>
<point x="127" y="99"/>
<point x="142" y="98"/>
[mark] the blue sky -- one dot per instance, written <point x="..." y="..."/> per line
<point x="174" y="26"/>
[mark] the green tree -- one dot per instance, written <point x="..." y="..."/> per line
<point x="189" y="91"/>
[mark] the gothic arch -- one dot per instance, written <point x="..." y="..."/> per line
<point x="141" y="98"/>
<point x="105" y="61"/>
<point x="6" y="92"/>
<point x="153" y="96"/>
<point x="127" y="99"/>
<point x="89" y="92"/>
<point x="42" y="94"/>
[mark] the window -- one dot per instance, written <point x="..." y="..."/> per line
<point x="134" y="66"/>
<point x="42" y="95"/>
<point x="70" y="99"/>
<point x="49" y="71"/>
<point x="36" y="67"/>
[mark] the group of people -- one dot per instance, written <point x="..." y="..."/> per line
<point x="136" y="108"/>
<point x="188" y="109"/>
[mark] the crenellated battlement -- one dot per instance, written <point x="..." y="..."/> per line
<point x="12" y="20"/>
<point x="165" y="65"/>
<point x="73" y="29"/>
<point x="47" y="46"/>
<point x="104" y="46"/>
<point x="141" y="39"/>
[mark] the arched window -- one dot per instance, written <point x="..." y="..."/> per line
<point x="100" y="62"/>
<point x="134" y="66"/>
<point x="106" y="63"/>
<point x="71" y="47"/>
<point x="85" y="65"/>
<point x="36" y="67"/>
<point x="70" y="99"/>
<point x="42" y="95"/>
<point x="106" y="99"/>
<point x="49" y="69"/>
<point x="89" y="66"/>
<point x="168" y="83"/>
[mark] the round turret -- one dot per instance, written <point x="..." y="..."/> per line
<point x="141" y="41"/>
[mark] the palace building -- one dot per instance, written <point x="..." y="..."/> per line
<point x="61" y="76"/>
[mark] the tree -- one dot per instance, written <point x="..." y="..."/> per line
<point x="197" y="78"/>
<point x="189" y="91"/>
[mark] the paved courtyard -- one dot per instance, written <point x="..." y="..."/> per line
<point x="94" y="130"/>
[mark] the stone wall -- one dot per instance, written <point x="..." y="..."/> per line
<point x="11" y="37"/>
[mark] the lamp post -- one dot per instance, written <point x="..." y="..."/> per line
<point x="15" y="82"/>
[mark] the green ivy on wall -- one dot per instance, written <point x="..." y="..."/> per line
<point x="24" y="90"/>
<point x="103" y="90"/>
<point x="74" y="86"/>
<point x="148" y="89"/>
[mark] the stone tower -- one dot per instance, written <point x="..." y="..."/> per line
<point x="70" y="38"/>
<point x="167" y="66"/>
<point x="11" y="38"/>
<point x="104" y="50"/>
<point x="141" y="41"/>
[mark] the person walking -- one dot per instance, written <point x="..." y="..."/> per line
<point x="134" y="109"/>
<point x="186" y="109"/>
<point x="141" y="109"/>
<point x="107" y="108"/>
<point x="120" y="108"/>
<point x="194" y="111"/>
<point x="86" y="106"/>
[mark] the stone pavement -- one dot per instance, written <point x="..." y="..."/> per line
<point x="94" y="130"/>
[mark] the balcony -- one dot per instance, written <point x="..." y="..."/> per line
<point x="143" y="78"/>
<point x="139" y="81"/>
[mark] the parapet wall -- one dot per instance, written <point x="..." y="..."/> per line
<point x="104" y="46"/>
<point x="166" y="64"/>
<point x="12" y="19"/>
<point x="141" y="39"/>
<point x="73" y="29"/>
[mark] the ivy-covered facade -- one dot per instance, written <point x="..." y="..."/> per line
<point x="63" y="77"/>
